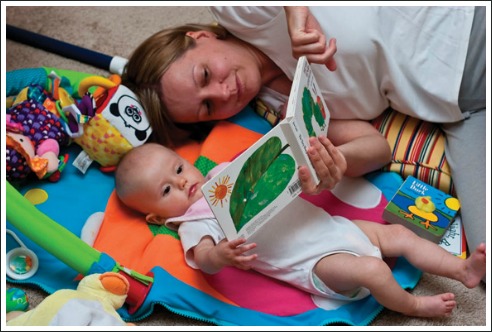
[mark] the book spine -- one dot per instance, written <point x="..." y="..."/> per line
<point x="299" y="149"/>
<point x="300" y="156"/>
<point x="297" y="137"/>
<point x="394" y="219"/>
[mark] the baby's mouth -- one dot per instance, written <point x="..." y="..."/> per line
<point x="192" y="190"/>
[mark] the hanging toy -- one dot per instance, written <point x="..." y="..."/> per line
<point x="106" y="123"/>
<point x="16" y="300"/>
<point x="34" y="137"/>
<point x="22" y="263"/>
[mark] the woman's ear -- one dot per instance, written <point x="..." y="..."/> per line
<point x="152" y="218"/>
<point x="200" y="34"/>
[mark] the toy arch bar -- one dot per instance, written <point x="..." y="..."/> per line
<point x="113" y="64"/>
<point x="48" y="234"/>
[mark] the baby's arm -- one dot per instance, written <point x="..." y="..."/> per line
<point x="211" y="258"/>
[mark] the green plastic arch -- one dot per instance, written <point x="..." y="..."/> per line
<point x="48" y="234"/>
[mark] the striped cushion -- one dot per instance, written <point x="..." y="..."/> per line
<point x="418" y="149"/>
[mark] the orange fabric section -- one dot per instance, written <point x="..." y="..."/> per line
<point x="226" y="140"/>
<point x="190" y="151"/>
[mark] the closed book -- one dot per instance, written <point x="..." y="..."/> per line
<point x="422" y="208"/>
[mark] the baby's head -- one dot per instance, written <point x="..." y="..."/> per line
<point x="156" y="181"/>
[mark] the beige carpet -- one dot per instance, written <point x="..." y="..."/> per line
<point x="118" y="30"/>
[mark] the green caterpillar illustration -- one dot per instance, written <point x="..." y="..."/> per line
<point x="310" y="108"/>
<point x="262" y="178"/>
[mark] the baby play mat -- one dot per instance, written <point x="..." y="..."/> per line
<point x="77" y="226"/>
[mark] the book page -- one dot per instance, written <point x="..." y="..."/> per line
<point x="307" y="111"/>
<point x="255" y="186"/>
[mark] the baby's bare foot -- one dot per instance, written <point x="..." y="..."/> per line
<point x="475" y="267"/>
<point x="434" y="306"/>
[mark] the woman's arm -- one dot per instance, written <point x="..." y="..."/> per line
<point x="365" y="149"/>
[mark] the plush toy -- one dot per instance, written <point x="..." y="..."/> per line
<point x="93" y="303"/>
<point x="34" y="136"/>
<point x="106" y="123"/>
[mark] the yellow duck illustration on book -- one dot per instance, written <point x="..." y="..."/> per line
<point x="424" y="208"/>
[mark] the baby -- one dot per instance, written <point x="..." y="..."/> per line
<point x="331" y="257"/>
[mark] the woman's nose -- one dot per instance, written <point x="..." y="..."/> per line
<point x="220" y="91"/>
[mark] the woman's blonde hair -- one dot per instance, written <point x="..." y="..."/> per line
<point x="145" y="68"/>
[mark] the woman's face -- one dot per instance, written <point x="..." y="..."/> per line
<point x="212" y="81"/>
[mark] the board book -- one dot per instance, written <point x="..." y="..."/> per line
<point x="454" y="240"/>
<point x="262" y="180"/>
<point x="422" y="208"/>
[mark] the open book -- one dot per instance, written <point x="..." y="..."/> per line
<point x="264" y="178"/>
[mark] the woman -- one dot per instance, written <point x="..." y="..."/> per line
<point x="427" y="62"/>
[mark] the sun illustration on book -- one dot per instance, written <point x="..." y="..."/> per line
<point x="220" y="190"/>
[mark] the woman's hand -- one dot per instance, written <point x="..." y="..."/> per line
<point x="307" y="37"/>
<point x="353" y="148"/>
<point x="329" y="163"/>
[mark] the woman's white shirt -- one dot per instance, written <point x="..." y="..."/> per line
<point x="409" y="58"/>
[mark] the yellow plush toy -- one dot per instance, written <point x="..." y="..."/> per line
<point x="107" y="123"/>
<point x="93" y="303"/>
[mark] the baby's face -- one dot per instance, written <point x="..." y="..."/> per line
<point x="170" y="185"/>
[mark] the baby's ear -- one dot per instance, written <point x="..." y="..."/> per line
<point x="152" y="218"/>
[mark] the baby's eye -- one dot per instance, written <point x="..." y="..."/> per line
<point x="167" y="190"/>
<point x="180" y="169"/>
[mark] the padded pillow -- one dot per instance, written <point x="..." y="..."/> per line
<point x="417" y="149"/>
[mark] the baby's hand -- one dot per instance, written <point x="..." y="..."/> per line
<point x="231" y="252"/>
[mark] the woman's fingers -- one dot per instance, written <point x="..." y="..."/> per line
<point x="329" y="163"/>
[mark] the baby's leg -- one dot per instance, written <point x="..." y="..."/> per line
<point x="397" y="240"/>
<point x="345" y="272"/>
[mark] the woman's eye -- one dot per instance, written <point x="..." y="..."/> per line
<point x="208" y="106"/>
<point x="166" y="190"/>
<point x="205" y="76"/>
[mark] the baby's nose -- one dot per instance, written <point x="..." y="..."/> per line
<point x="182" y="182"/>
